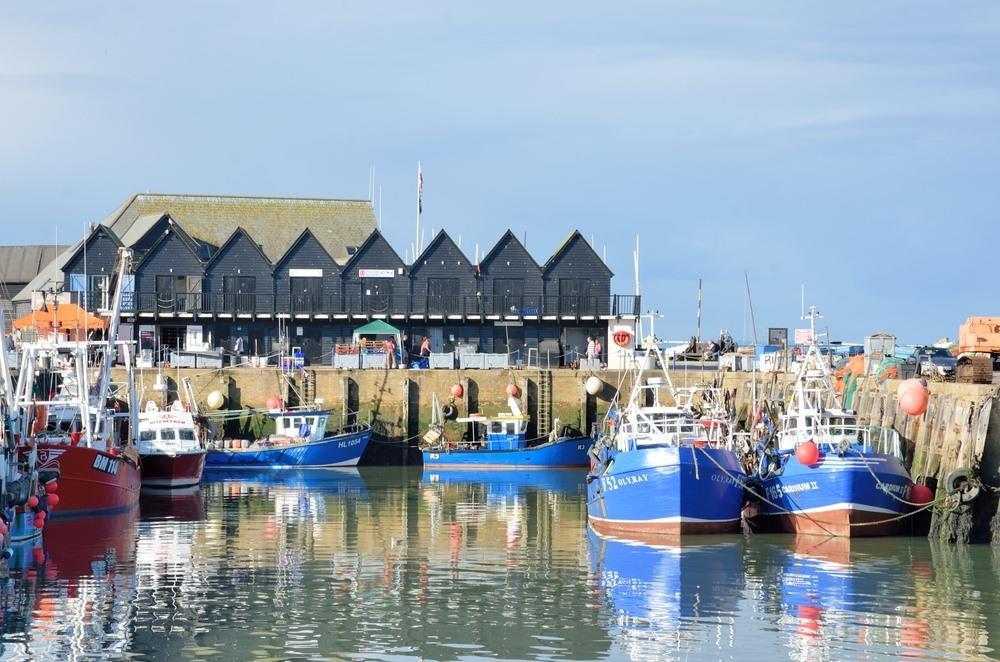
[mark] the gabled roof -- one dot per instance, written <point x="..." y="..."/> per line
<point x="496" y="248"/>
<point x="141" y="228"/>
<point x="439" y="239"/>
<point x="176" y="229"/>
<point x="372" y="238"/>
<point x="20" y="264"/>
<point x="97" y="230"/>
<point x="275" y="222"/>
<point x="233" y="238"/>
<point x="306" y="234"/>
<point x="378" y="328"/>
<point x="567" y="243"/>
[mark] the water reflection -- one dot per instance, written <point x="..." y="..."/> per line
<point x="449" y="565"/>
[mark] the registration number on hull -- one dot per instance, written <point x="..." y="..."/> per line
<point x="108" y="465"/>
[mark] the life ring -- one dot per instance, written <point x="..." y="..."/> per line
<point x="449" y="411"/>
<point x="958" y="485"/>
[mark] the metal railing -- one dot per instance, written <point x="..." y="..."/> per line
<point x="359" y="304"/>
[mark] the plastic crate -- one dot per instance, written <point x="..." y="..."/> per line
<point x="347" y="361"/>
<point x="442" y="360"/>
<point x="471" y="361"/>
<point x="496" y="361"/>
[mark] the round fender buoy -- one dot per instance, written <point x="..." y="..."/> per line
<point x="52" y="500"/>
<point x="906" y="385"/>
<point x="274" y="402"/>
<point x="457" y="391"/>
<point x="513" y="391"/>
<point x="215" y="400"/>
<point x="921" y="494"/>
<point x="52" y="486"/>
<point x="594" y="385"/>
<point x="807" y="453"/>
<point x="32" y="501"/>
<point x="914" y="400"/>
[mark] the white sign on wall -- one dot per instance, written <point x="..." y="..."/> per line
<point x="376" y="273"/>
<point x="305" y="273"/>
<point x="803" y="336"/>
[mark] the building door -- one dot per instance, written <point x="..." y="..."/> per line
<point x="306" y="294"/>
<point x="442" y="296"/>
<point x="239" y="294"/>
<point x="166" y="299"/>
<point x="378" y="295"/>
<point x="574" y="296"/>
<point x="508" y="295"/>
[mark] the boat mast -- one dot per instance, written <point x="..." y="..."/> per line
<point x="124" y="258"/>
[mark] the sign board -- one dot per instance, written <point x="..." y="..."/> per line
<point x="306" y="273"/>
<point x="37" y="300"/>
<point x="376" y="273"/>
<point x="803" y="336"/>
<point x="777" y="337"/>
<point x="508" y="323"/>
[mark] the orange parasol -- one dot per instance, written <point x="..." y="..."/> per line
<point x="66" y="317"/>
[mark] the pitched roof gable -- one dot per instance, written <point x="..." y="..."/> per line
<point x="238" y="233"/>
<point x="302" y="238"/>
<point x="97" y="230"/>
<point x="373" y="238"/>
<point x="508" y="235"/>
<point x="177" y="230"/>
<point x="440" y="239"/>
<point x="573" y="239"/>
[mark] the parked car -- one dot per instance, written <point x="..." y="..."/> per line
<point x="933" y="362"/>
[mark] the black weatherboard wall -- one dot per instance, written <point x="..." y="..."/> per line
<point x="577" y="275"/>
<point x="239" y="276"/>
<point x="172" y="255"/>
<point x="377" y="293"/>
<point x="510" y="277"/>
<point x="306" y="253"/>
<point x="96" y="256"/>
<point x="443" y="280"/>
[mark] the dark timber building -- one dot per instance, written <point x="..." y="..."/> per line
<point x="220" y="271"/>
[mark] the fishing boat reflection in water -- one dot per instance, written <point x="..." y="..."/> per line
<point x="837" y="598"/>
<point x="667" y="596"/>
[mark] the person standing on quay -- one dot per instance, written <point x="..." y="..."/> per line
<point x="590" y="347"/>
<point x="390" y="348"/>
<point x="598" y="349"/>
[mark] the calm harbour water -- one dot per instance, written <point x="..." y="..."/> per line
<point x="394" y="564"/>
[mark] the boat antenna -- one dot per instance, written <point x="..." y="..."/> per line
<point x="698" y="321"/>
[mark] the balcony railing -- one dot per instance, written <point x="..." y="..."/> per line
<point x="369" y="305"/>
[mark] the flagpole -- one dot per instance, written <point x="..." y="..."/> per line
<point x="419" y="184"/>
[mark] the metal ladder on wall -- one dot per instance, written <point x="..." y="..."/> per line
<point x="544" y="402"/>
<point x="308" y="387"/>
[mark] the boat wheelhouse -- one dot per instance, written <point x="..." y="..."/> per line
<point x="171" y="452"/>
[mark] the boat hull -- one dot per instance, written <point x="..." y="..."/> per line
<point x="555" y="454"/>
<point x="837" y="496"/>
<point x="342" y="450"/>
<point x="164" y="471"/>
<point x="91" y="481"/>
<point x="667" y="490"/>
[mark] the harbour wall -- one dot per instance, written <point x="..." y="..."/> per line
<point x="959" y="430"/>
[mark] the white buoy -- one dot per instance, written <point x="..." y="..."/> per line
<point x="215" y="400"/>
<point x="594" y="385"/>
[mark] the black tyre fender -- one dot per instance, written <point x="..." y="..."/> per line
<point x="958" y="485"/>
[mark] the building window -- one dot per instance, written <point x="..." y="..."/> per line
<point x="240" y="293"/>
<point x="306" y="293"/>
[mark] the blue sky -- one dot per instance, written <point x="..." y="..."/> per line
<point x="851" y="146"/>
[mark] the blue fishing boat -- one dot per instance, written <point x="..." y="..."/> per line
<point x="822" y="472"/>
<point x="500" y="442"/>
<point x="663" y="469"/>
<point x="300" y="441"/>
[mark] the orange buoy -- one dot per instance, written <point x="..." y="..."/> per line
<point x="274" y="402"/>
<point x="52" y="500"/>
<point x="457" y="390"/>
<point x="32" y="501"/>
<point x="914" y="400"/>
<point x="513" y="391"/>
<point x="52" y="486"/>
<point x="807" y="453"/>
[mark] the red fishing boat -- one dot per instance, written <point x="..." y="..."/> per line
<point x="172" y="455"/>
<point x="63" y="409"/>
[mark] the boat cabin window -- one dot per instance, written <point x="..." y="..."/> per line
<point x="296" y="423"/>
<point x="168" y="434"/>
<point x="310" y="421"/>
<point x="836" y="426"/>
<point x="186" y="434"/>
<point x="496" y="427"/>
<point x="147" y="435"/>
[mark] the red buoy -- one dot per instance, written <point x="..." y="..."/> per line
<point x="457" y="390"/>
<point x="32" y="501"/>
<point x="113" y="452"/>
<point x="41" y="514"/>
<point x="52" y="500"/>
<point x="52" y="486"/>
<point x="921" y="494"/>
<point x="513" y="391"/>
<point x="807" y="453"/>
<point x="39" y="523"/>
<point x="274" y="402"/>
